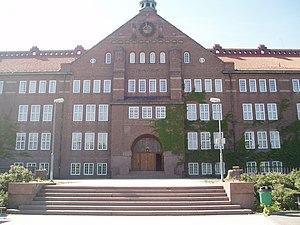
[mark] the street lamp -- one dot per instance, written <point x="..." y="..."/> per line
<point x="56" y="101"/>
<point x="219" y="140"/>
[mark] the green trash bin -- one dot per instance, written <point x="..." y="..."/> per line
<point x="265" y="195"/>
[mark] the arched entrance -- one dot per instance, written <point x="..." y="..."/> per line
<point x="147" y="154"/>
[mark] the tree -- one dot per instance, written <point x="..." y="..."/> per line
<point x="8" y="131"/>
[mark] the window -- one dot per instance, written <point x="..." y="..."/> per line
<point x="152" y="85"/>
<point x="163" y="85"/>
<point x="260" y="111"/>
<point x="162" y="58"/>
<point x="33" y="141"/>
<point x="77" y="113"/>
<point x="198" y="85"/>
<point x="47" y="113"/>
<point x="249" y="140"/>
<point x="295" y="82"/>
<point x="208" y="85"/>
<point x="272" y="85"/>
<point x="31" y="165"/>
<point x="75" y="169"/>
<point x="252" y="85"/>
<point x="217" y="111"/>
<point x="32" y="87"/>
<point x="103" y="112"/>
<point x="22" y="87"/>
<point x="35" y="113"/>
<point x="147" y="112"/>
<point x="204" y="112"/>
<point x="52" y="86"/>
<point x="262" y="140"/>
<point x="205" y="140"/>
<point x="45" y="141"/>
<point x="265" y="167"/>
<point x="86" y="86"/>
<point x="298" y="110"/>
<point x="142" y="58"/>
<point x="18" y="164"/>
<point x="276" y="166"/>
<point x="90" y="113"/>
<point x="76" y="86"/>
<point x="107" y="86"/>
<point x="186" y="58"/>
<point x="88" y="169"/>
<point x="192" y="140"/>
<point x="152" y="57"/>
<point x="275" y="139"/>
<point x="101" y="168"/>
<point x="218" y="141"/>
<point x="1" y="87"/>
<point x="132" y="58"/>
<point x="160" y="112"/>
<point x="44" y="166"/>
<point x="193" y="168"/>
<point x="187" y="85"/>
<point x="76" y="141"/>
<point x="131" y="86"/>
<point x="272" y="111"/>
<point x="20" y="141"/>
<point x="133" y="113"/>
<point x="108" y="58"/>
<point x="217" y="168"/>
<point x="23" y="113"/>
<point x="42" y="86"/>
<point x="97" y="86"/>
<point x="206" y="168"/>
<point x="89" y="141"/>
<point x="247" y="112"/>
<point x="142" y="86"/>
<point x="191" y="112"/>
<point x="218" y="85"/>
<point x="102" y="141"/>
<point x="262" y="85"/>
<point x="251" y="167"/>
<point x="243" y="85"/>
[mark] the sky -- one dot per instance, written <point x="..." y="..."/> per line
<point x="64" y="24"/>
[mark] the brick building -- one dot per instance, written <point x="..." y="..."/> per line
<point x="113" y="93"/>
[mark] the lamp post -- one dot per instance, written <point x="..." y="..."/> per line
<point x="219" y="140"/>
<point x="56" y="101"/>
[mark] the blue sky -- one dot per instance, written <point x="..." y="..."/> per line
<point x="64" y="24"/>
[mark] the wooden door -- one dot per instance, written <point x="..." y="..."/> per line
<point x="144" y="161"/>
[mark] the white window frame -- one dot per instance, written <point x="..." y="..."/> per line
<point x="262" y="140"/>
<point x="20" y="141"/>
<point x="192" y="138"/>
<point x="204" y="112"/>
<point x="152" y="85"/>
<point x="133" y="113"/>
<point x="186" y="58"/>
<point x="22" y="87"/>
<point x="35" y="113"/>
<point x="52" y="87"/>
<point x="275" y="140"/>
<point x="76" y="141"/>
<point x="102" y="169"/>
<point x="260" y="111"/>
<point x="218" y="85"/>
<point x="163" y="86"/>
<point x="108" y="58"/>
<point x="142" y="86"/>
<point x="296" y="86"/>
<point x="44" y="166"/>
<point x="147" y="112"/>
<point x="152" y="58"/>
<point x="103" y="112"/>
<point x="89" y="141"/>
<point x="251" y="167"/>
<point x="252" y="85"/>
<point x="107" y="86"/>
<point x="102" y="144"/>
<point x="206" y="168"/>
<point x="96" y="86"/>
<point x="88" y="169"/>
<point x="191" y="113"/>
<point x="217" y="111"/>
<point x="193" y="168"/>
<point x="142" y="58"/>
<point x="33" y="140"/>
<point x="131" y="86"/>
<point x="47" y="113"/>
<point x="276" y="166"/>
<point x="23" y="113"/>
<point x="1" y="87"/>
<point x="262" y="85"/>
<point x="249" y="140"/>
<point x="90" y="113"/>
<point x="217" y="168"/>
<point x="132" y="57"/>
<point x="86" y="89"/>
<point x="162" y="57"/>
<point x="242" y="85"/>
<point x="46" y="141"/>
<point x="208" y="85"/>
<point x="216" y="138"/>
<point x="265" y="167"/>
<point x="77" y="113"/>
<point x="298" y="110"/>
<point x="32" y="87"/>
<point x="198" y="85"/>
<point x="42" y="86"/>
<point x="205" y="139"/>
<point x="187" y="85"/>
<point x="75" y="169"/>
<point x="247" y="111"/>
<point x="160" y="112"/>
<point x="76" y="86"/>
<point x="272" y="111"/>
<point x="272" y="85"/>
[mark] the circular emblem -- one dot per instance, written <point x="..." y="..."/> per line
<point x="147" y="29"/>
<point x="202" y="60"/>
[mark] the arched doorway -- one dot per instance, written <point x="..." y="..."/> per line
<point x="147" y="154"/>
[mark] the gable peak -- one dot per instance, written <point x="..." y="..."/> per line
<point x="148" y="4"/>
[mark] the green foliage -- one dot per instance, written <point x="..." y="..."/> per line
<point x="8" y="131"/>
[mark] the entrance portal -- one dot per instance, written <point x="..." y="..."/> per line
<point x="147" y="154"/>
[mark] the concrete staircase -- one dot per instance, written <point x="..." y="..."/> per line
<point x="130" y="201"/>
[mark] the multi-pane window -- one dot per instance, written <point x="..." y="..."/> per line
<point x="76" y="141"/>
<point x="90" y="113"/>
<point x="217" y="168"/>
<point x="47" y="113"/>
<point x="133" y="112"/>
<point x="32" y="87"/>
<point x="1" y="87"/>
<point x="147" y="112"/>
<point x="44" y="166"/>
<point x="251" y="167"/>
<point x="205" y="140"/>
<point x="86" y="86"/>
<point x="193" y="168"/>
<point x="89" y="141"/>
<point x="35" y="113"/>
<point x="152" y="85"/>
<point x="18" y="164"/>
<point x="131" y="86"/>
<point x="75" y="169"/>
<point x="23" y="113"/>
<point x="208" y="85"/>
<point x="88" y="169"/>
<point x="102" y="141"/>
<point x="192" y="138"/>
<point x="186" y="57"/>
<point x="152" y="57"/>
<point x="76" y="86"/>
<point x="33" y="141"/>
<point x="247" y="112"/>
<point x="97" y="86"/>
<point x="101" y="168"/>
<point x="198" y="85"/>
<point x="162" y="58"/>
<point x="262" y="140"/>
<point x="260" y="111"/>
<point x="103" y="112"/>
<point x="265" y="167"/>
<point x="249" y="140"/>
<point x="20" y="141"/>
<point x="298" y="110"/>
<point x="45" y="141"/>
<point x="217" y="112"/>
<point x="191" y="112"/>
<point x="31" y="165"/>
<point x="77" y="112"/>
<point x="272" y="85"/>
<point x="163" y="85"/>
<point x="296" y="87"/>
<point x="272" y="111"/>
<point x="22" y="87"/>
<point x="252" y="85"/>
<point x="204" y="111"/>
<point x="206" y="168"/>
<point x="218" y="140"/>
<point x="160" y="112"/>
<point x="142" y="58"/>
<point x="275" y="139"/>
<point x="262" y="85"/>
<point x="107" y="86"/>
<point x="187" y="85"/>
<point x="276" y="166"/>
<point x="142" y="85"/>
<point x="218" y="85"/>
<point x="108" y="58"/>
<point x="52" y="86"/>
<point x="243" y="85"/>
<point x="132" y="58"/>
<point x="42" y="86"/>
